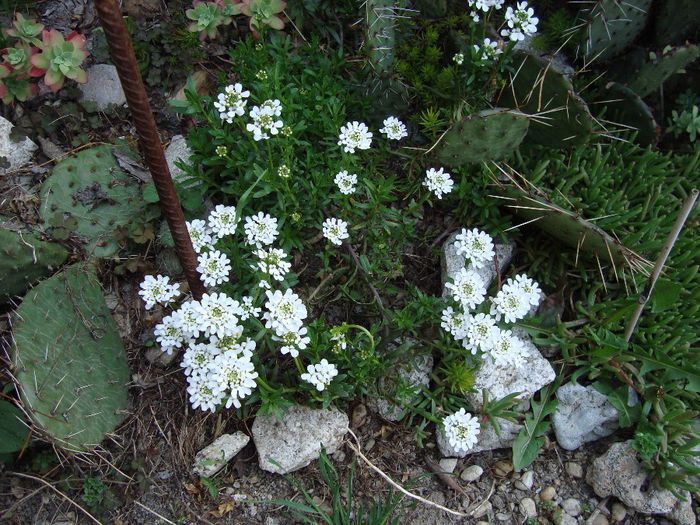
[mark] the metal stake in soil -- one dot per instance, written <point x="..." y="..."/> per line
<point x="122" y="54"/>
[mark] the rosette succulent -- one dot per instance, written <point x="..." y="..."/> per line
<point x="60" y="58"/>
<point x="208" y="16"/>
<point x="264" y="13"/>
<point x="25" y="29"/>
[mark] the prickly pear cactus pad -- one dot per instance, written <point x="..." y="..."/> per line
<point x="89" y="192"/>
<point x="492" y="134"/>
<point x="675" y="21"/>
<point x="656" y="71"/>
<point x="70" y="363"/>
<point x="24" y="259"/>
<point x="611" y="26"/>
<point x="626" y="108"/>
<point x="540" y="88"/>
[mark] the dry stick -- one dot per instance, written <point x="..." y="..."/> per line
<point x="93" y="518"/>
<point x="660" y="261"/>
<point x="153" y="512"/>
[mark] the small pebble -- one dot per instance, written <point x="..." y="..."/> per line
<point x="528" y="508"/>
<point x="567" y="520"/>
<point x="482" y="509"/>
<point x="571" y="506"/>
<point x="471" y="473"/>
<point x="600" y="520"/>
<point x="548" y="493"/>
<point x="527" y="479"/>
<point x="503" y="468"/>
<point x="482" y="523"/>
<point x="370" y="443"/>
<point x="574" y="469"/>
<point x="618" y="512"/>
<point x="448" y="465"/>
<point x="359" y="416"/>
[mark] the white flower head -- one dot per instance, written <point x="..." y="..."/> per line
<point x="521" y="22"/>
<point x="475" y="245"/>
<point x="458" y="58"/>
<point x="339" y="339"/>
<point x="260" y="229"/>
<point x="265" y="119"/>
<point x="285" y="312"/>
<point x="438" y="182"/>
<point x="489" y="49"/>
<point x="158" y="290"/>
<point x="468" y="289"/>
<point x="293" y="341"/>
<point x="219" y="314"/>
<point x="234" y="375"/>
<point x="345" y="182"/>
<point x="354" y="135"/>
<point x="335" y="230"/>
<point x="455" y="322"/>
<point x="203" y="394"/>
<point x="199" y="234"/>
<point x="223" y="221"/>
<point x="230" y="343"/>
<point x="214" y="267"/>
<point x="232" y="102"/>
<point x="188" y="319"/>
<point x="394" y="129"/>
<point x="197" y="357"/>
<point x="528" y="287"/>
<point x="320" y="375"/>
<point x="461" y="430"/>
<point x="273" y="263"/>
<point x="507" y="350"/>
<point x="248" y="309"/>
<point x="481" y="331"/>
<point x="510" y="303"/>
<point x="168" y="334"/>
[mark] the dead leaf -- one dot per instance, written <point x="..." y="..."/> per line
<point x="223" y="509"/>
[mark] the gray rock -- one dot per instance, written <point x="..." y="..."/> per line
<point x="16" y="154"/>
<point x="295" y="441"/>
<point x="177" y="151"/>
<point x="565" y="519"/>
<point x="416" y="374"/>
<point x="695" y="460"/>
<point x="682" y="513"/>
<point x="159" y="358"/>
<point x="499" y="381"/>
<point x="213" y="458"/>
<point x="471" y="473"/>
<point x="452" y="262"/>
<point x="571" y="506"/>
<point x="448" y="465"/>
<point x="618" y="512"/>
<point x="487" y="439"/>
<point x="103" y="87"/>
<point x="527" y="480"/>
<point x="618" y="473"/>
<point x="583" y="414"/>
<point x="528" y="508"/>
<point x="574" y="470"/>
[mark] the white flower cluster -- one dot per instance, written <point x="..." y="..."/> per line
<point x="320" y="375"/>
<point x="520" y="22"/>
<point x="394" y="129"/>
<point x="346" y="182"/>
<point x="438" y="182"/>
<point x="461" y="430"/>
<point x="231" y="103"/>
<point x="478" y="331"/>
<point x="335" y="230"/>
<point x="265" y="118"/>
<point x="483" y="6"/>
<point x="356" y="135"/>
<point x="488" y="49"/>
<point x="158" y="290"/>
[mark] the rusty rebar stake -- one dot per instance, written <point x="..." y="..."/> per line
<point x="122" y="53"/>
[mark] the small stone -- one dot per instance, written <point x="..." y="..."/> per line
<point x="339" y="455"/>
<point x="502" y="516"/>
<point x="159" y="358"/>
<point x="582" y="415"/>
<point x="103" y="87"/>
<point x="482" y="523"/>
<point x="471" y="473"/>
<point x="359" y="415"/>
<point x="618" y="512"/>
<point x="503" y="468"/>
<point x="528" y="479"/>
<point x="448" y="465"/>
<point x="296" y="440"/>
<point x="16" y="153"/>
<point x="571" y="506"/>
<point x="548" y="493"/>
<point x="600" y="520"/>
<point x="528" y="508"/>
<point x="565" y="519"/>
<point x="482" y="509"/>
<point x="370" y="444"/>
<point x="210" y="460"/>
<point x="574" y="470"/>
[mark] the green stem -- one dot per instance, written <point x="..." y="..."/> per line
<point x="300" y="367"/>
<point x="365" y="331"/>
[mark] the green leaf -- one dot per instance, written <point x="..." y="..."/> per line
<point x="150" y="195"/>
<point x="665" y="295"/>
<point x="627" y="415"/>
<point x="13" y="432"/>
<point x="529" y="441"/>
<point x="672" y="370"/>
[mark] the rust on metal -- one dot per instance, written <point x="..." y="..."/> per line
<point x="122" y="53"/>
